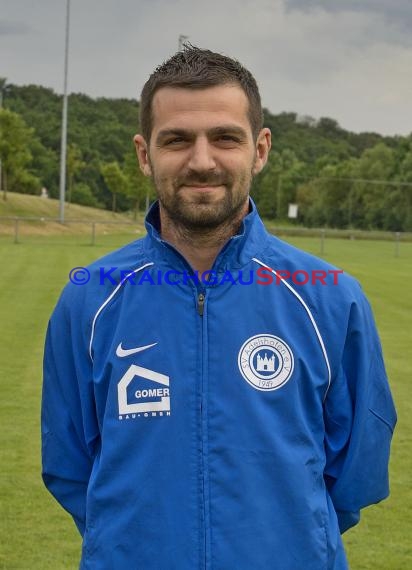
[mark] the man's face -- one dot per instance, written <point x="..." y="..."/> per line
<point x="202" y="155"/>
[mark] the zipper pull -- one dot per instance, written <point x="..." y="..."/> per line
<point x="200" y="304"/>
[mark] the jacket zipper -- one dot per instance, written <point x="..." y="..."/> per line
<point x="200" y="309"/>
<point x="201" y="304"/>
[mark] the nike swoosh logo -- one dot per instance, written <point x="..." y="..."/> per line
<point x="122" y="352"/>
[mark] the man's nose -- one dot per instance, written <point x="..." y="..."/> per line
<point x="201" y="156"/>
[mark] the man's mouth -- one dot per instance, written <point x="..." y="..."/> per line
<point x="205" y="183"/>
<point x="202" y="186"/>
<point x="203" y="189"/>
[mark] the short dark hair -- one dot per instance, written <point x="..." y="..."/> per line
<point x="196" y="68"/>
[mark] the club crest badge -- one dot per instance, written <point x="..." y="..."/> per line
<point x="266" y="362"/>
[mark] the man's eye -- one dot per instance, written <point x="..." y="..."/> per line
<point x="176" y="140"/>
<point x="228" y="138"/>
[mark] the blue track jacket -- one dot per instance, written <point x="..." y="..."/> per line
<point x="235" y="423"/>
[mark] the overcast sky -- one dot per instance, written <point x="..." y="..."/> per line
<point x="350" y="60"/>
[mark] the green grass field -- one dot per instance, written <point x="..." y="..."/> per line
<point x="35" y="534"/>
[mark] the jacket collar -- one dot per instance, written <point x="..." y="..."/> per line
<point x="236" y="253"/>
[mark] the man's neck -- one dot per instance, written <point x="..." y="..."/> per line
<point x="201" y="246"/>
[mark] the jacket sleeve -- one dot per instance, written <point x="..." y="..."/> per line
<point x="359" y="421"/>
<point x="68" y="422"/>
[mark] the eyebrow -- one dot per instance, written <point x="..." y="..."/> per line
<point x="220" y="130"/>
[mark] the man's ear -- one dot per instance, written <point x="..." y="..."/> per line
<point x="142" y="154"/>
<point x="263" y="144"/>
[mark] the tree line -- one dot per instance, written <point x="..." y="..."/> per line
<point x="337" y="178"/>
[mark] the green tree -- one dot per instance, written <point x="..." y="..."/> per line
<point x="373" y="169"/>
<point x="398" y="210"/>
<point x="15" y="155"/>
<point x="276" y="186"/>
<point x="305" y="151"/>
<point x="82" y="194"/>
<point x="115" y="180"/>
<point x="74" y="166"/>
<point x="140" y="188"/>
<point x="265" y="186"/>
<point x="326" y="199"/>
<point x="406" y="165"/>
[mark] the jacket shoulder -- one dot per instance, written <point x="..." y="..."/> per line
<point x="309" y="274"/>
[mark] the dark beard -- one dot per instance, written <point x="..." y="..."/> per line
<point x="202" y="215"/>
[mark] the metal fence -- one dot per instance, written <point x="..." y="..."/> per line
<point x="19" y="229"/>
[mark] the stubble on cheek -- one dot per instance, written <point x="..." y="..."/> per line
<point x="202" y="209"/>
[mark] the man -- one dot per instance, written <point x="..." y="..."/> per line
<point x="201" y="410"/>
